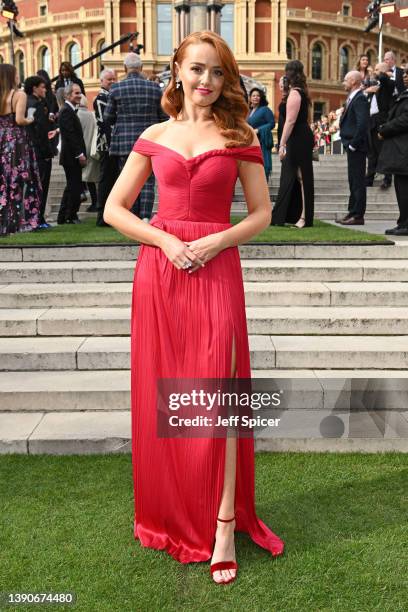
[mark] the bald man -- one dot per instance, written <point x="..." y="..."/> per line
<point x="396" y="73"/>
<point x="354" y="126"/>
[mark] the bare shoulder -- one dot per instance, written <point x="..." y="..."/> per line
<point x="20" y="94"/>
<point x="155" y="131"/>
<point x="294" y="94"/>
<point x="255" y="140"/>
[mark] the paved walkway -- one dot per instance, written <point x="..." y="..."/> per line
<point x="376" y="227"/>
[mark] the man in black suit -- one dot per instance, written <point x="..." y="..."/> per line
<point x="39" y="130"/>
<point x="72" y="156"/>
<point x="354" y="136"/>
<point x="396" y="74"/>
<point x="380" y="99"/>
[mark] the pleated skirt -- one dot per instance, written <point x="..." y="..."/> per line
<point x="182" y="326"/>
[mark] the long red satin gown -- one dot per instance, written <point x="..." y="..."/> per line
<point x="183" y="326"/>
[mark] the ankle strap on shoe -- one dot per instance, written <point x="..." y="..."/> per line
<point x="226" y="520"/>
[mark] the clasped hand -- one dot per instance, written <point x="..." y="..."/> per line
<point x="198" y="252"/>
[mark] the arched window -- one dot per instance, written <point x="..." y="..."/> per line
<point x="74" y="56"/>
<point x="227" y="24"/>
<point x="317" y="62"/>
<point x="344" y="62"/>
<point x="44" y="59"/>
<point x="19" y="64"/>
<point x="101" y="45"/>
<point x="290" y="49"/>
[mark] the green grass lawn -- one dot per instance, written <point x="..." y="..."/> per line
<point x="88" y="233"/>
<point x="66" y="524"/>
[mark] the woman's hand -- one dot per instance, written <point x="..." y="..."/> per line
<point x="179" y="253"/>
<point x="282" y="152"/>
<point x="205" y="249"/>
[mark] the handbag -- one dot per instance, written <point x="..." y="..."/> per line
<point x="315" y="155"/>
<point x="94" y="152"/>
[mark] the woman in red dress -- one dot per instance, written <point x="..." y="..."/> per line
<point x="188" y="306"/>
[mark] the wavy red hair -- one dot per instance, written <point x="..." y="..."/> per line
<point x="230" y="110"/>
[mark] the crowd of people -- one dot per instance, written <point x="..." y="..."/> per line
<point x="39" y="122"/>
<point x="373" y="129"/>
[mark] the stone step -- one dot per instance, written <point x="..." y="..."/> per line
<point x="277" y="293"/>
<point x="95" y="353"/>
<point x="396" y="250"/>
<point x="267" y="320"/>
<point x="302" y="270"/>
<point x="109" y="390"/>
<point x="90" y="432"/>
<point x="267" y="352"/>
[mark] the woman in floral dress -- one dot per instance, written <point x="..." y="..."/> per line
<point x="20" y="186"/>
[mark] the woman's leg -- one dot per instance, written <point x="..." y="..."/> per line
<point x="302" y="220"/>
<point x="224" y="549"/>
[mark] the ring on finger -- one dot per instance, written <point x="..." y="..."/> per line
<point x="187" y="264"/>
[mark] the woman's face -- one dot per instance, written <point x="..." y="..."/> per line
<point x="281" y="84"/>
<point x="255" y="98"/>
<point x="201" y="74"/>
<point x="364" y="62"/>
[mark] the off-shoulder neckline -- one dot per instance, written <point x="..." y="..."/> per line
<point x="187" y="159"/>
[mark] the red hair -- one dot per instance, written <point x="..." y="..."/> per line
<point x="230" y="110"/>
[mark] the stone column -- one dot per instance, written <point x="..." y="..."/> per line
<point x="304" y="50"/>
<point x="55" y="53"/>
<point x="116" y="19"/>
<point x="139" y="21"/>
<point x="275" y="28"/>
<point x="182" y="9"/>
<point x="108" y="22"/>
<point x="240" y="29"/>
<point x="148" y="50"/>
<point x="214" y="12"/>
<point x="198" y="15"/>
<point x="334" y="58"/>
<point x="31" y="65"/>
<point x="86" y="46"/>
<point x="283" y="6"/>
<point x="251" y="27"/>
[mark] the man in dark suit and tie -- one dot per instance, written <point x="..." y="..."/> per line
<point x="72" y="156"/>
<point x="396" y="74"/>
<point x="380" y="100"/>
<point x="133" y="106"/>
<point x="354" y="125"/>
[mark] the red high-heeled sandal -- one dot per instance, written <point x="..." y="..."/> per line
<point x="223" y="565"/>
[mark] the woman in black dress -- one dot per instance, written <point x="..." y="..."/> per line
<point x="66" y="76"/>
<point x="284" y="89"/>
<point x="295" y="201"/>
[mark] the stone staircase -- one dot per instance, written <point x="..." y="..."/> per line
<point x="331" y="192"/>
<point x="326" y="318"/>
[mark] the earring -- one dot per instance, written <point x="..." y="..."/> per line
<point x="178" y="83"/>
